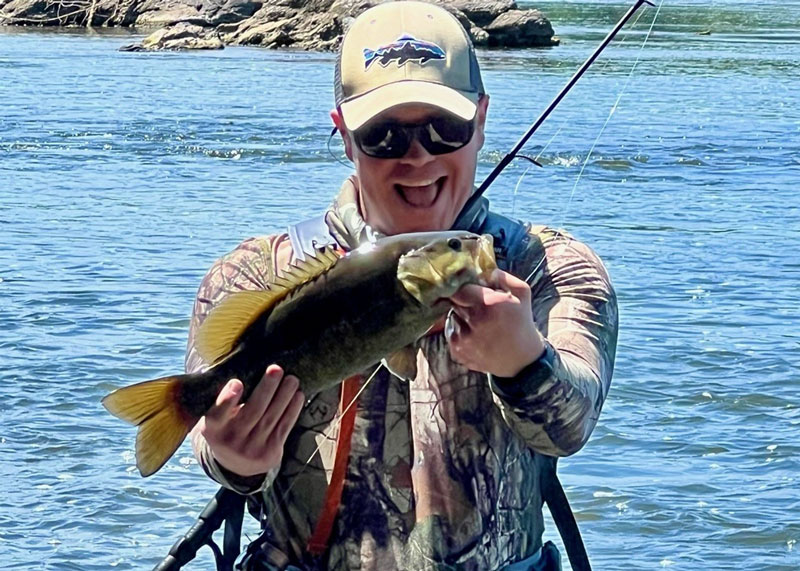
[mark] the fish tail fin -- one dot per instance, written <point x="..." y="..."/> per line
<point x="155" y="408"/>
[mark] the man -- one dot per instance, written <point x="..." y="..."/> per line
<point x="444" y="470"/>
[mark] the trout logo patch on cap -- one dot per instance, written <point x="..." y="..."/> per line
<point x="404" y="49"/>
<point x="443" y="70"/>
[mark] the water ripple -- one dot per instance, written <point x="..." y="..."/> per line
<point x="124" y="178"/>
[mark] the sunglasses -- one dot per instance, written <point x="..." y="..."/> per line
<point x="438" y="135"/>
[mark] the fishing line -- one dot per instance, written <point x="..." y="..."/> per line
<point x="516" y="188"/>
<point x="613" y="110"/>
<point x="603" y="128"/>
<point x="564" y="122"/>
<point x="334" y="424"/>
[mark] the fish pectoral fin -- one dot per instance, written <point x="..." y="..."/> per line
<point x="154" y="407"/>
<point x="403" y="363"/>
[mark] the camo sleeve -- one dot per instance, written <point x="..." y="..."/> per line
<point x="575" y="308"/>
<point x="248" y="267"/>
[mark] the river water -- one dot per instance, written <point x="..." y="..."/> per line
<point x="123" y="176"/>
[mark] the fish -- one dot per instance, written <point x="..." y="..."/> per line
<point x="403" y="49"/>
<point x="326" y="318"/>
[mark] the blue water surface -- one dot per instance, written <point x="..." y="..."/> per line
<point x="123" y="176"/>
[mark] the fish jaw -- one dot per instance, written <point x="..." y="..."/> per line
<point x="440" y="268"/>
<point x="485" y="262"/>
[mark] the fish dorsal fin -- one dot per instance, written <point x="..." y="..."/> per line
<point x="219" y="333"/>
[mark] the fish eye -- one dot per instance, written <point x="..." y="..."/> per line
<point x="454" y="244"/>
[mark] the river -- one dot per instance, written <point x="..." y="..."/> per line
<point x="124" y="175"/>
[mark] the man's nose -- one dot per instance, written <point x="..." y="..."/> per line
<point x="417" y="155"/>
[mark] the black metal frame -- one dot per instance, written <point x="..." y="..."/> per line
<point x="225" y="507"/>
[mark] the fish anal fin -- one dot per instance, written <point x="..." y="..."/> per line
<point x="403" y="363"/>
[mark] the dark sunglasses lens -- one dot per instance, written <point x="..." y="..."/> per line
<point x="391" y="140"/>
<point x="447" y="134"/>
<point x="383" y="140"/>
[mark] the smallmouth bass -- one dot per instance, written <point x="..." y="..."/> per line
<point x="323" y="320"/>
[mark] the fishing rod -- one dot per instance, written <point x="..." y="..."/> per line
<point x="476" y="196"/>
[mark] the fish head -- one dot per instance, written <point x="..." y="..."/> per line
<point x="439" y="268"/>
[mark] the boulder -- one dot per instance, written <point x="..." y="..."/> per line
<point x="281" y="26"/>
<point x="521" y="29"/>
<point x="304" y="24"/>
<point x="166" y="12"/>
<point x="482" y="12"/>
<point x="220" y="12"/>
<point x="180" y="36"/>
<point x="274" y="34"/>
<point x="43" y="13"/>
<point x="321" y="34"/>
<point x="350" y="8"/>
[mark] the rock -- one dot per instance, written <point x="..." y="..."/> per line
<point x="43" y="13"/>
<point x="476" y="34"/>
<point x="521" y="29"/>
<point x="180" y="36"/>
<point x="482" y="12"/>
<point x="281" y="26"/>
<point x="268" y="34"/>
<point x="479" y="36"/>
<point x="114" y="13"/>
<point x="229" y="11"/>
<point x="324" y="33"/>
<point x="350" y="8"/>
<point x="347" y="10"/>
<point x="167" y="12"/>
<point x="305" y="24"/>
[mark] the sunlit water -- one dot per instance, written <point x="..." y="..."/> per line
<point x="123" y="176"/>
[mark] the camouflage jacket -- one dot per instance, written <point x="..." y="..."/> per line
<point x="441" y="472"/>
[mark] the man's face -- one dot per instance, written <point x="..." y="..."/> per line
<point x="419" y="191"/>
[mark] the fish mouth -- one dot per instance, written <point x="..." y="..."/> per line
<point x="421" y="196"/>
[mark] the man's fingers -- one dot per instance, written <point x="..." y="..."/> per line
<point x="503" y="285"/>
<point x="227" y="400"/>
<point x="272" y="414"/>
<point x="287" y="420"/>
<point x="511" y="283"/>
<point x="261" y="398"/>
<point x="469" y="295"/>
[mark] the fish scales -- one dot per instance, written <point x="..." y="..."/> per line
<point x="321" y="321"/>
<point x="327" y="329"/>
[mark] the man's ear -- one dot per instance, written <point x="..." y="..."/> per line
<point x="483" y="109"/>
<point x="338" y="121"/>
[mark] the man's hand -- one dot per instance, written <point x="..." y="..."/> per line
<point x="247" y="439"/>
<point x="491" y="329"/>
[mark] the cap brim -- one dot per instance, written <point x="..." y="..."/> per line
<point x="359" y="110"/>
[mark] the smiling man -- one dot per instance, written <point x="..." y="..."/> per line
<point x="418" y="190"/>
<point x="443" y="469"/>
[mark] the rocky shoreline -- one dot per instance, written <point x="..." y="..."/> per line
<point x="302" y="24"/>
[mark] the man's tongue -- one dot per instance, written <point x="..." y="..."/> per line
<point x="420" y="196"/>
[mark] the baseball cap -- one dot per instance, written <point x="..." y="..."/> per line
<point x="406" y="52"/>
